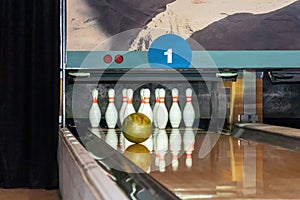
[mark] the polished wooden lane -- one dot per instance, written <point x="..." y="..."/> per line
<point x="234" y="169"/>
<point x="221" y="166"/>
<point x="279" y="130"/>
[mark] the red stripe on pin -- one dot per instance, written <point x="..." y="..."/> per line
<point x="188" y="99"/>
<point x="95" y="100"/>
<point x="110" y="99"/>
<point x="146" y="100"/>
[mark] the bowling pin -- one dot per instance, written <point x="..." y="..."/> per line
<point x="112" y="138"/>
<point x="124" y="103"/>
<point x="175" y="147"/>
<point x="162" y="112"/>
<point x="129" y="107"/>
<point x="142" y="100"/>
<point x="146" y="109"/>
<point x="111" y="114"/>
<point x="155" y="106"/>
<point x="175" y="112"/>
<point x="188" y="142"/>
<point x="94" y="112"/>
<point x="162" y="148"/>
<point x="188" y="111"/>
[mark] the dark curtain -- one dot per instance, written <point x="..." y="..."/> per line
<point x="29" y="93"/>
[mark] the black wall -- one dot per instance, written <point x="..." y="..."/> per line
<point x="281" y="103"/>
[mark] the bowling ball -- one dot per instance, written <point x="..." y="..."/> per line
<point x="137" y="127"/>
<point x="139" y="155"/>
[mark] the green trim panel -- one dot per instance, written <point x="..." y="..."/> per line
<point x="200" y="59"/>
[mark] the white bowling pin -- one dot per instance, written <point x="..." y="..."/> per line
<point x="175" y="147"/>
<point x="111" y="114"/>
<point x="188" y="142"/>
<point x="146" y="109"/>
<point x="95" y="112"/>
<point x="129" y="107"/>
<point x="155" y="106"/>
<point x="142" y="100"/>
<point x="188" y="111"/>
<point x="175" y="112"/>
<point x="162" y="148"/>
<point x="112" y="138"/>
<point x="162" y="112"/>
<point x="124" y="103"/>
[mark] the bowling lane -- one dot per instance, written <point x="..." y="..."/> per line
<point x="233" y="168"/>
<point x="194" y="164"/>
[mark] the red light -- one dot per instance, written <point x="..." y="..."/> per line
<point x="107" y="59"/>
<point x="119" y="59"/>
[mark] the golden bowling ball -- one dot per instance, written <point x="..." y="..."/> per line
<point x="137" y="127"/>
<point x="139" y="155"/>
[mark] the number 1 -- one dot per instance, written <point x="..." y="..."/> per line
<point x="168" y="53"/>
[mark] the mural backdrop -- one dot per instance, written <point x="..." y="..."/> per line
<point x="215" y="24"/>
<point x="219" y="25"/>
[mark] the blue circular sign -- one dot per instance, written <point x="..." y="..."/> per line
<point x="169" y="51"/>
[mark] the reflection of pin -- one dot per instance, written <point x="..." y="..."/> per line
<point x="148" y="143"/>
<point x="162" y="147"/>
<point x="124" y="103"/>
<point x="96" y="131"/>
<point x="122" y="143"/>
<point x="175" y="112"/>
<point x="111" y="114"/>
<point x="188" y="111"/>
<point x="125" y="143"/>
<point x="142" y="100"/>
<point x="112" y="138"/>
<point x="175" y="147"/>
<point x="129" y="107"/>
<point x="95" y="112"/>
<point x="146" y="109"/>
<point x="162" y="112"/>
<point x="155" y="106"/>
<point x="155" y="133"/>
<point x="188" y="142"/>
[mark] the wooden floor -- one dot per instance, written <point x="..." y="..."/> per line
<point x="29" y="194"/>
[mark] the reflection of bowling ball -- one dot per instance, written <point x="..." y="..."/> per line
<point x="139" y="155"/>
<point x="137" y="127"/>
